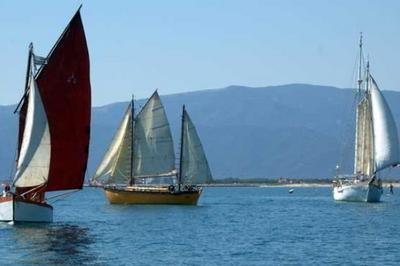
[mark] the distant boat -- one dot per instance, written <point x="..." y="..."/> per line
<point x="141" y="155"/>
<point x="54" y="128"/>
<point x="376" y="144"/>
<point x="291" y="191"/>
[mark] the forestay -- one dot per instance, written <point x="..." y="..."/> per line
<point x="386" y="145"/>
<point x="194" y="165"/>
<point x="153" y="145"/>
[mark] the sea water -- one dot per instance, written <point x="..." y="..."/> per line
<point x="230" y="226"/>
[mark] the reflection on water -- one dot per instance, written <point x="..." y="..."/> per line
<point x="66" y="244"/>
<point x="231" y="226"/>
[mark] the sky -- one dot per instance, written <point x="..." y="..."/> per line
<point x="186" y="45"/>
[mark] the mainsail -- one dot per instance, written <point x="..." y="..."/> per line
<point x="153" y="145"/>
<point x="64" y="87"/>
<point x="364" y="140"/>
<point x="386" y="144"/>
<point x="115" y="168"/>
<point x="194" y="168"/>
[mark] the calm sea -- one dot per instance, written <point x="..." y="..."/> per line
<point x="230" y="226"/>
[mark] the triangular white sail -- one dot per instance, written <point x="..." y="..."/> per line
<point x="115" y="167"/>
<point x="364" y="140"/>
<point x="194" y="165"/>
<point x="153" y="146"/>
<point x="34" y="158"/>
<point x="386" y="144"/>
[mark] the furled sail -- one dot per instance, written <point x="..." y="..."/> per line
<point x="153" y="146"/>
<point x="364" y="140"/>
<point x="194" y="166"/>
<point x="115" y="168"/>
<point x="64" y="86"/>
<point x="386" y="144"/>
<point x="34" y="159"/>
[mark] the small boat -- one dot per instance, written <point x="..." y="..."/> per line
<point x="376" y="144"/>
<point x="54" y="128"/>
<point x="291" y="191"/>
<point x="139" y="166"/>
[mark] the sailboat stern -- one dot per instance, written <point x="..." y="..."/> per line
<point x="151" y="195"/>
<point x="20" y="210"/>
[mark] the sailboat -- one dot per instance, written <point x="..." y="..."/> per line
<point x="142" y="149"/>
<point x="376" y="143"/>
<point x="54" y="127"/>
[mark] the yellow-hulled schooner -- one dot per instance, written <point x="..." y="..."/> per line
<point x="142" y="151"/>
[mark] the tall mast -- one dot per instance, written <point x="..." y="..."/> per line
<point x="360" y="63"/>
<point x="181" y="150"/>
<point x="132" y="181"/>
<point x="28" y="73"/>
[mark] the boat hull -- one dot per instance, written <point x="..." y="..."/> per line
<point x="150" y="195"/>
<point x="19" y="210"/>
<point x="362" y="192"/>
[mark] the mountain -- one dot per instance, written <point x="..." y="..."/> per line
<point x="295" y="130"/>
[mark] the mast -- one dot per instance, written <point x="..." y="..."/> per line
<point x="132" y="181"/>
<point x="359" y="81"/>
<point x="358" y="129"/>
<point x="181" y="149"/>
<point x="28" y="73"/>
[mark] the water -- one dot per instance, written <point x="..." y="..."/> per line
<point x="231" y="226"/>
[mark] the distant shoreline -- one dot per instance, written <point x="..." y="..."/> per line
<point x="277" y="185"/>
<point x="296" y="185"/>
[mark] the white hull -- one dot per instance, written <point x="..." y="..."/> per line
<point x="361" y="192"/>
<point x="13" y="210"/>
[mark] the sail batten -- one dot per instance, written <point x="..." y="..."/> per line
<point x="194" y="165"/>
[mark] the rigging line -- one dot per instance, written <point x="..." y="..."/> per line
<point x="64" y="195"/>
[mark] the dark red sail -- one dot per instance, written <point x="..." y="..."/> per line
<point x="64" y="85"/>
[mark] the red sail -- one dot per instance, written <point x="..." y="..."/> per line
<point x="64" y="86"/>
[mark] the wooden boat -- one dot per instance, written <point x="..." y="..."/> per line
<point x="376" y="143"/>
<point x="142" y="152"/>
<point x="54" y="128"/>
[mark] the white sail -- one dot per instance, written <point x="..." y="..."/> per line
<point x="34" y="159"/>
<point x="153" y="146"/>
<point x="386" y="144"/>
<point x="364" y="141"/>
<point x="116" y="164"/>
<point x="194" y="165"/>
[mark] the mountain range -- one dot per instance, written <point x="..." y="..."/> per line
<point x="296" y="130"/>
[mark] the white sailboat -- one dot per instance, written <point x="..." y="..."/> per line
<point x="376" y="144"/>
<point x="142" y="150"/>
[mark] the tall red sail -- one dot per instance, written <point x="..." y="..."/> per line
<point x="64" y="85"/>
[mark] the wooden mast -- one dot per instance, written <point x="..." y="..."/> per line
<point x="181" y="149"/>
<point x="132" y="180"/>
<point x="28" y="72"/>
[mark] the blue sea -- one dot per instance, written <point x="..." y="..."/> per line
<point x="230" y="226"/>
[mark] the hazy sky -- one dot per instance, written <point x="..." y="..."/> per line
<point x="186" y="45"/>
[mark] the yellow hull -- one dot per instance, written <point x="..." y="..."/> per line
<point x="150" y="195"/>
